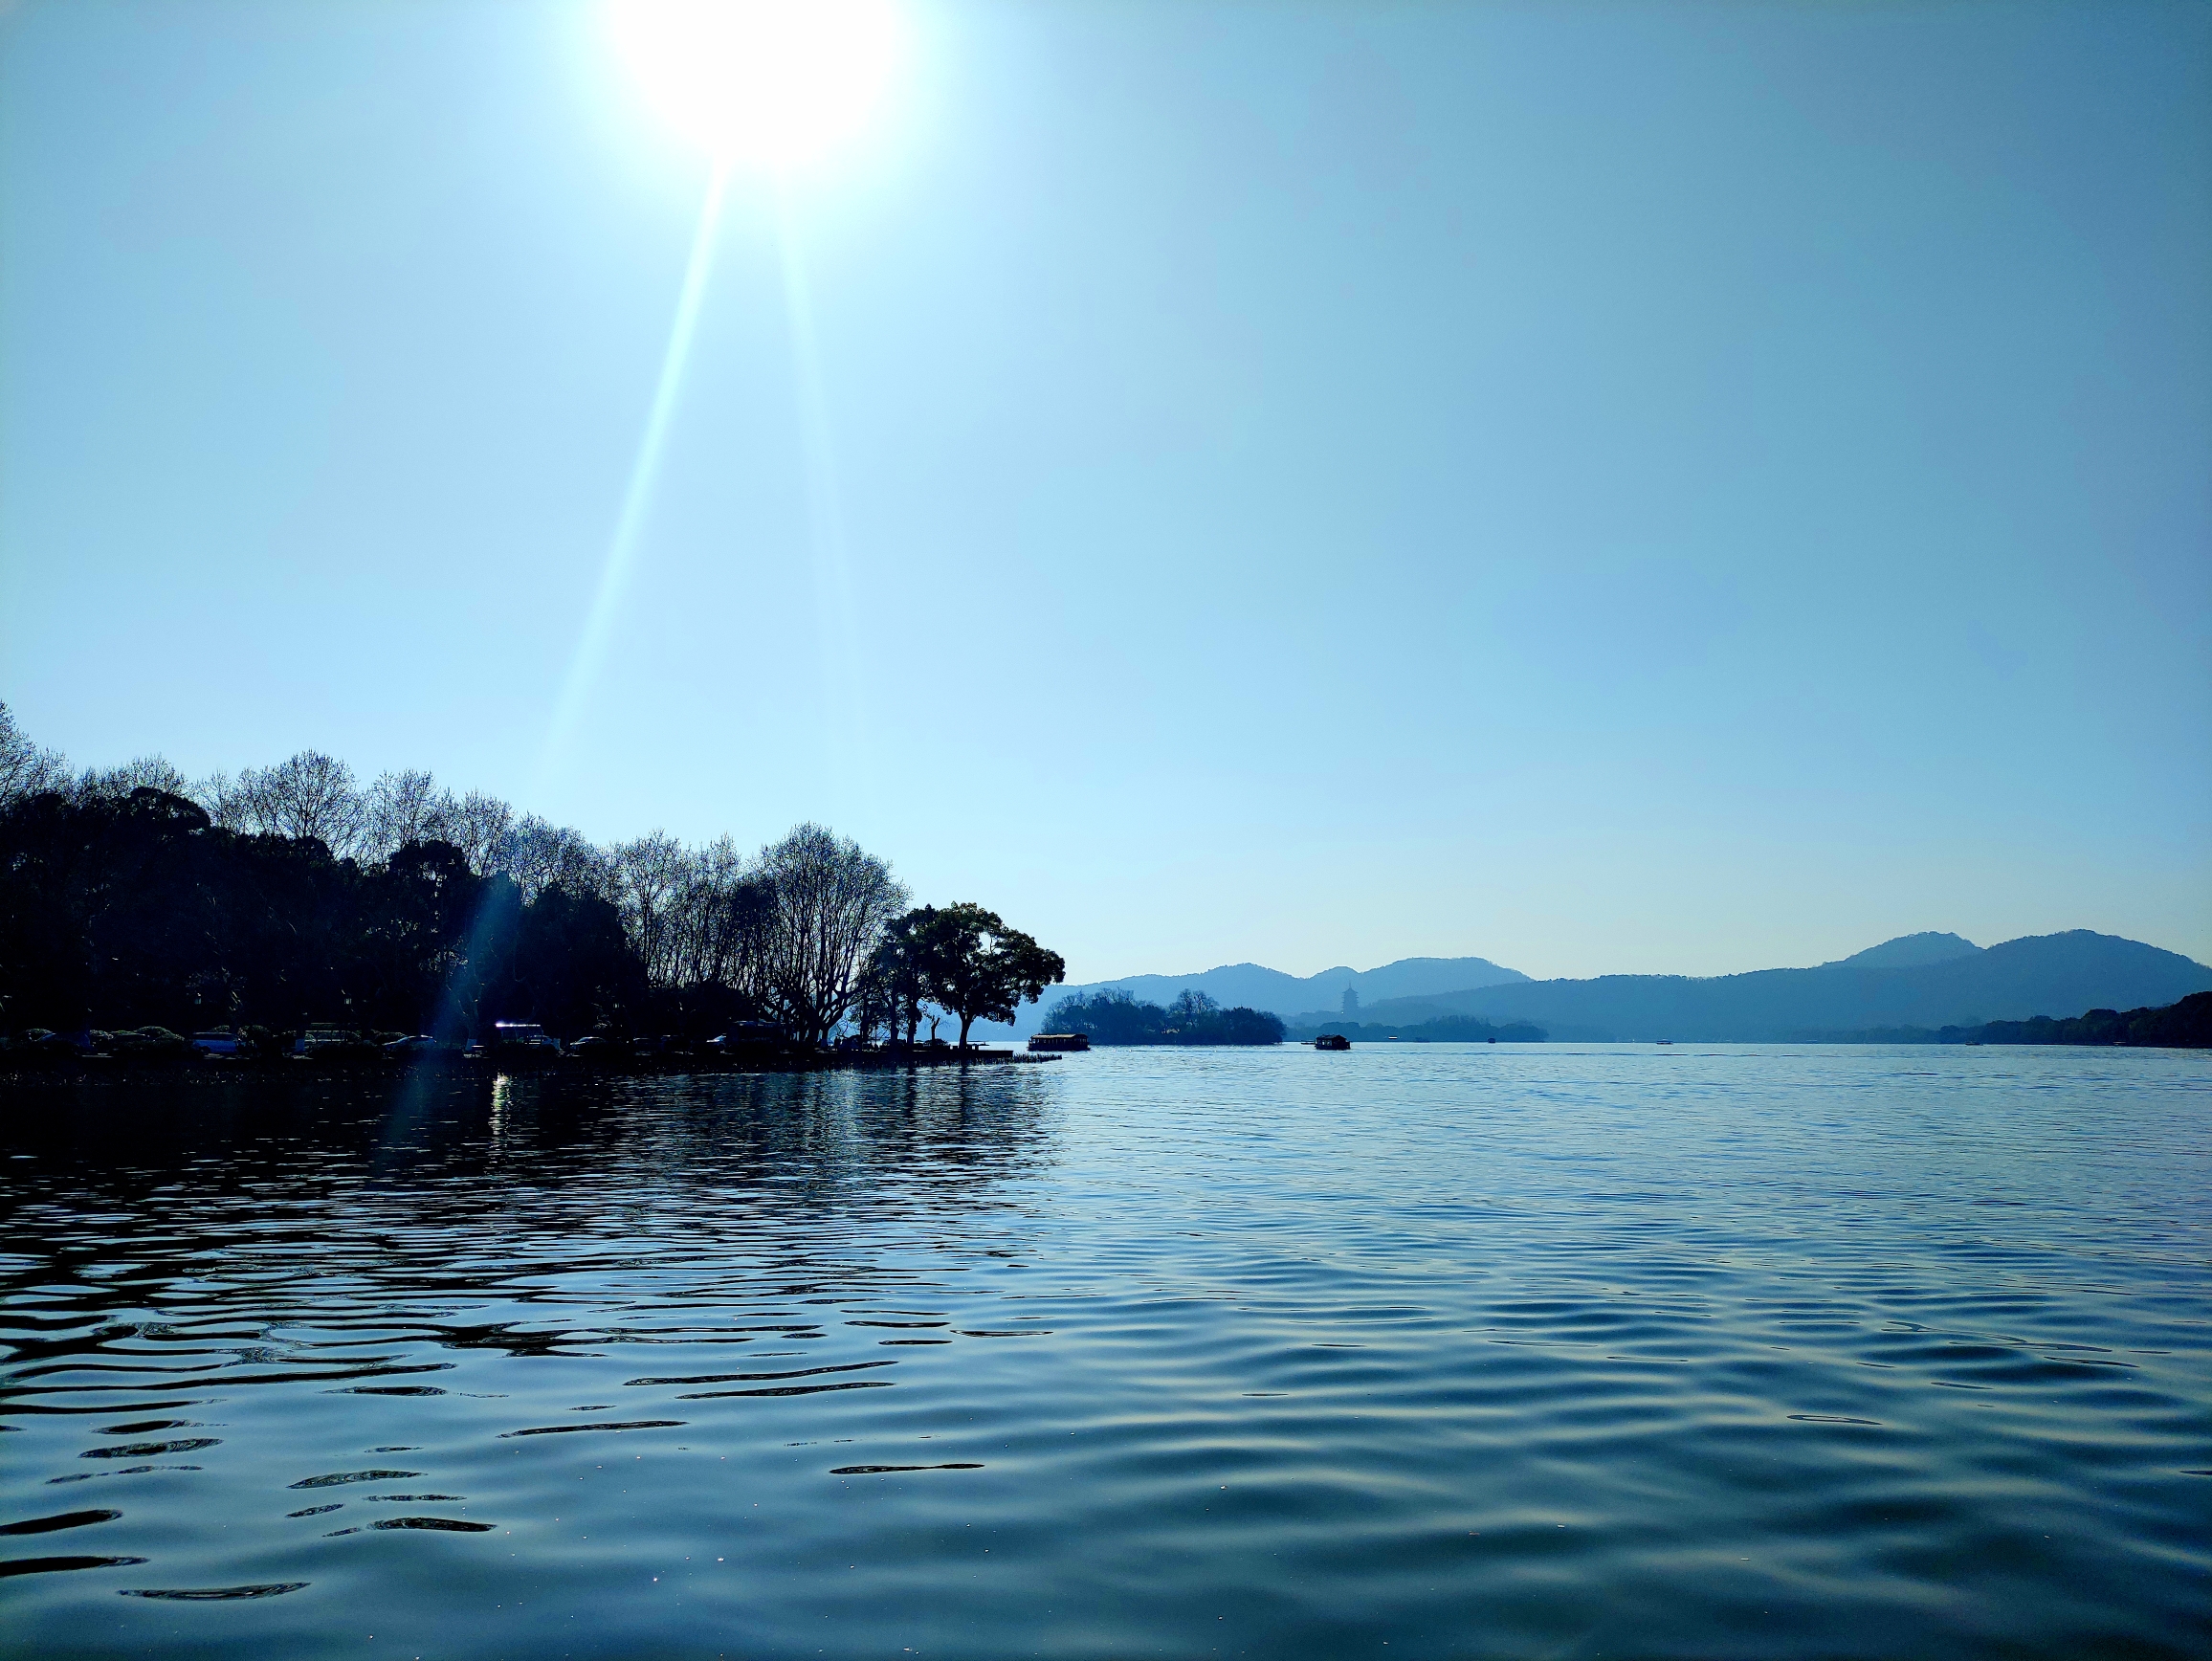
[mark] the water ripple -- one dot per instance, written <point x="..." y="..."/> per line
<point x="1747" y="1352"/>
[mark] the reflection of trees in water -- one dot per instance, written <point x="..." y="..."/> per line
<point x="912" y="1132"/>
<point x="677" y="1201"/>
<point x="929" y="1134"/>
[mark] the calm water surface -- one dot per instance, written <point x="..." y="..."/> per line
<point x="1416" y="1351"/>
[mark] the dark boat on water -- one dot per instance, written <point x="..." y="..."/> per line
<point x="1332" y="1041"/>
<point x="1061" y="1041"/>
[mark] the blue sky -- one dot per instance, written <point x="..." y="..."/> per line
<point x="1602" y="488"/>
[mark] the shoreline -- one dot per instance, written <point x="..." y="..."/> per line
<point x="100" y="1070"/>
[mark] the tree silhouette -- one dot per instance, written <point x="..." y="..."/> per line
<point x="974" y="966"/>
<point x="893" y="988"/>
<point x="831" y="902"/>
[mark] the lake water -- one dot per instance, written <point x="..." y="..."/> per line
<point x="1413" y="1351"/>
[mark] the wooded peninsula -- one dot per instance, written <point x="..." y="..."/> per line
<point x="136" y="906"/>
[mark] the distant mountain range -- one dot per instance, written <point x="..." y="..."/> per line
<point x="1923" y="980"/>
<point x="1909" y="952"/>
<point x="1912" y="981"/>
<point x="1271" y="989"/>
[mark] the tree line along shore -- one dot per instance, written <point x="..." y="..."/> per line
<point x="289" y="912"/>
<point x="136" y="906"/>
<point x="2183" y="1025"/>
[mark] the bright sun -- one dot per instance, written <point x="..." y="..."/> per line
<point x="773" y="83"/>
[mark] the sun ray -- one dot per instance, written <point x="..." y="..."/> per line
<point x="839" y="651"/>
<point x="590" y="651"/>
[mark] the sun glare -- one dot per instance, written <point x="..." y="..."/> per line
<point x="771" y="83"/>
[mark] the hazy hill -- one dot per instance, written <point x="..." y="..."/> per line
<point x="1256" y="988"/>
<point x="1909" y="951"/>
<point x="2061" y="974"/>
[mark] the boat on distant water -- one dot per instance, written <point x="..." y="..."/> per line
<point x="1332" y="1041"/>
<point x="1061" y="1041"/>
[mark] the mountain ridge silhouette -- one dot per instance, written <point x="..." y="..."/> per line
<point x="1931" y="980"/>
<point x="2059" y="975"/>
<point x="1256" y="986"/>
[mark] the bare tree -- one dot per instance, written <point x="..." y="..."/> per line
<point x="650" y="874"/>
<point x="688" y="920"/>
<point x="24" y="768"/>
<point x="478" y="825"/>
<point x="398" y="808"/>
<point x="832" y="903"/>
<point x="225" y="800"/>
<point x="719" y="923"/>
<point x="1191" y="1006"/>
<point x="310" y="796"/>
<point x="140" y="773"/>
<point x="539" y="855"/>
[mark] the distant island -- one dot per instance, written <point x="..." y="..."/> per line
<point x="1113" y="1017"/>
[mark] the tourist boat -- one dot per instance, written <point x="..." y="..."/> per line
<point x="1332" y="1041"/>
<point x="1061" y="1041"/>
